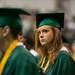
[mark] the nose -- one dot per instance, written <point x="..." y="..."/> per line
<point x="41" y="35"/>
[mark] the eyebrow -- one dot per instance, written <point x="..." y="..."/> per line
<point x="43" y="29"/>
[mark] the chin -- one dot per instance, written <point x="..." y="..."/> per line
<point x="43" y="43"/>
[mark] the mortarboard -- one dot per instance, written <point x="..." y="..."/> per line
<point x="51" y="19"/>
<point x="13" y="11"/>
<point x="11" y="17"/>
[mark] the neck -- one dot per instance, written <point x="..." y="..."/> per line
<point x="47" y="47"/>
<point x="6" y="44"/>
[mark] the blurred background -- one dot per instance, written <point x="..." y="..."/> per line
<point x="45" y="6"/>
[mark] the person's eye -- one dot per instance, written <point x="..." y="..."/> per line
<point x="39" y="32"/>
<point x="45" y="31"/>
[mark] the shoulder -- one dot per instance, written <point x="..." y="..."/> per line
<point x="64" y="59"/>
<point x="63" y="65"/>
<point x="21" y="54"/>
<point x="64" y="55"/>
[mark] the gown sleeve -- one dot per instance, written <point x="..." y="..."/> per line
<point x="21" y="62"/>
<point x="26" y="66"/>
<point x="64" y="65"/>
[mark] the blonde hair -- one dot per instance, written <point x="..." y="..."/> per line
<point x="54" y="49"/>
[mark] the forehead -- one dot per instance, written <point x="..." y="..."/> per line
<point x="44" y="27"/>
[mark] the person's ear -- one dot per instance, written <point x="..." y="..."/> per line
<point x="6" y="31"/>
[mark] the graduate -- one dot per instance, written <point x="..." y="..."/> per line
<point x="55" y="59"/>
<point x="14" y="58"/>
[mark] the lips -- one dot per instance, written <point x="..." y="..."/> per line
<point x="42" y="40"/>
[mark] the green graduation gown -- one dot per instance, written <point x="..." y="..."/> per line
<point x="63" y="65"/>
<point x="21" y="62"/>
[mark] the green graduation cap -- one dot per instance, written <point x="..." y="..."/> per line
<point x="11" y="17"/>
<point x="50" y="19"/>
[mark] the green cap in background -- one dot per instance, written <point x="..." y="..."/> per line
<point x="11" y="17"/>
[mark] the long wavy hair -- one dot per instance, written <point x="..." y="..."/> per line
<point x="54" y="48"/>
